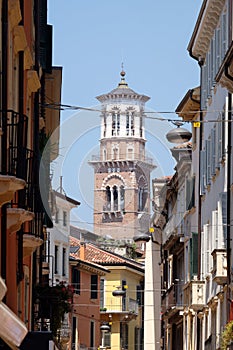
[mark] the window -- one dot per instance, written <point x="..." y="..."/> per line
<point x="193" y="255"/>
<point x="190" y="183"/>
<point x="92" y="334"/>
<point x="107" y="339"/>
<point x="74" y="333"/>
<point x="122" y="198"/>
<point x="63" y="261"/>
<point x="118" y="123"/>
<point x="124" y="335"/>
<point x="139" y="295"/>
<point x="56" y="259"/>
<point x="132" y="124"/>
<point x="94" y="286"/>
<point x="127" y="123"/>
<point x="113" y="124"/>
<point x="108" y="199"/>
<point x="115" y="198"/>
<point x="76" y="280"/>
<point x="105" y="126"/>
<point x="64" y="218"/>
<point x="123" y="284"/>
<point x="102" y="293"/>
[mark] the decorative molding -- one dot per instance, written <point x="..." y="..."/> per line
<point x="206" y="27"/>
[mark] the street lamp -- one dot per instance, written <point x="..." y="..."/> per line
<point x="119" y="292"/>
<point x="105" y="328"/>
<point x="178" y="135"/>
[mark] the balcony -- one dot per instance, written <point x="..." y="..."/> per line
<point x="219" y="272"/>
<point x="33" y="235"/>
<point x="135" y="157"/>
<point x="112" y="214"/>
<point x="172" y="300"/>
<point x="123" y="309"/>
<point x="194" y="295"/>
<point x="16" y="217"/>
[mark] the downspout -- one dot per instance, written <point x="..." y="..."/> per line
<point x="200" y="62"/>
<point x="229" y="201"/>
<point x="229" y="191"/>
<point x="35" y="149"/>
<point x="21" y="197"/>
<point x="4" y="129"/>
<point x="199" y="178"/>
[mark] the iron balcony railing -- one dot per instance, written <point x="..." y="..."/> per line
<point x="22" y="163"/>
<point x="15" y="125"/>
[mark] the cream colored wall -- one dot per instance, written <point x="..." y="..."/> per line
<point x="112" y="281"/>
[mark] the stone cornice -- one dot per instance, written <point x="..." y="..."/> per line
<point x="205" y="26"/>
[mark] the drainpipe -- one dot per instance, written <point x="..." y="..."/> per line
<point x="229" y="191"/>
<point x="229" y="201"/>
<point x="21" y="200"/>
<point x="200" y="62"/>
<point x="4" y="129"/>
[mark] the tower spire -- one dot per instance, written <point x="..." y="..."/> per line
<point x="122" y="83"/>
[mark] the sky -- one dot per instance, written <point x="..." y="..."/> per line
<point x="91" y="39"/>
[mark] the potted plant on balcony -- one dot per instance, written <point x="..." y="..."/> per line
<point x="55" y="302"/>
<point x="227" y="336"/>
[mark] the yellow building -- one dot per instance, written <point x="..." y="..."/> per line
<point x="121" y="298"/>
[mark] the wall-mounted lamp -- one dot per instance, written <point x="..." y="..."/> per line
<point x="178" y="135"/>
<point x="119" y="292"/>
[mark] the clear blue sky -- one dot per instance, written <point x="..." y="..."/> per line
<point x="91" y="39"/>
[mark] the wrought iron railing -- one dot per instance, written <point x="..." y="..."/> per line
<point x="16" y="130"/>
<point x="21" y="162"/>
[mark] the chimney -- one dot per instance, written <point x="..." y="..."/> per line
<point x="82" y="250"/>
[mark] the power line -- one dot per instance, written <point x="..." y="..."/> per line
<point x="64" y="107"/>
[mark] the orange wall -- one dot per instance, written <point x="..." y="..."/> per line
<point x="86" y="310"/>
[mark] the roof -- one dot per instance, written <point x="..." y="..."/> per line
<point x="123" y="91"/>
<point x="66" y="198"/>
<point x="103" y="257"/>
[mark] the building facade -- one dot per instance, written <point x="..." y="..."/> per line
<point x="26" y="68"/>
<point x="110" y="292"/>
<point x="122" y="169"/>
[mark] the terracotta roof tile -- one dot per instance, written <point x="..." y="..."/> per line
<point x="100" y="256"/>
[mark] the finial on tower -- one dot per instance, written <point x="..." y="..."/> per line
<point x="122" y="70"/>
<point x="122" y="83"/>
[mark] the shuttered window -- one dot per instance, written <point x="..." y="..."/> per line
<point x="190" y="183"/>
<point x="223" y="217"/>
<point x="193" y="255"/>
<point x="202" y="171"/>
<point x="213" y="151"/>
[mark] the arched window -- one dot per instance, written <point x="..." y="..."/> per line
<point x="105" y="126"/>
<point x="142" y="198"/>
<point x="127" y="123"/>
<point x="115" y="198"/>
<point x="113" y="124"/>
<point x="132" y="124"/>
<point x="104" y="154"/>
<point x="118" y="123"/>
<point x="108" y="198"/>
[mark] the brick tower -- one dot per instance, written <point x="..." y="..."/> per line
<point x="122" y="170"/>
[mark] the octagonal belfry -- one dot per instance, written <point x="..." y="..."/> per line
<point x="122" y="169"/>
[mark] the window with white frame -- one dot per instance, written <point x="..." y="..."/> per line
<point x="218" y="48"/>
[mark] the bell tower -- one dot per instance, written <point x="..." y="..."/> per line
<point x="122" y="169"/>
